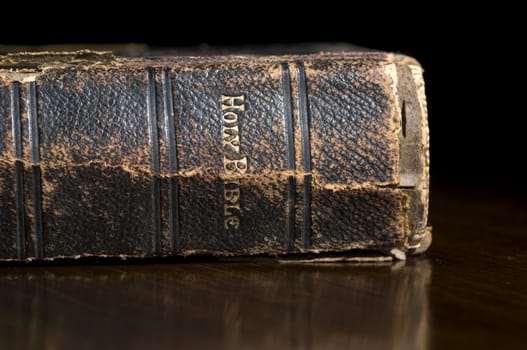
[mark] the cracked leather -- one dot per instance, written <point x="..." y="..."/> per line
<point x="102" y="194"/>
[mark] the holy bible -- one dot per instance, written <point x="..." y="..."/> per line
<point x="220" y="155"/>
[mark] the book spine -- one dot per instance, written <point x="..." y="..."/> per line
<point x="225" y="157"/>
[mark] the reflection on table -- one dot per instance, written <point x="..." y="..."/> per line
<point x="217" y="305"/>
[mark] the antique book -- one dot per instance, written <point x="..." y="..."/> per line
<point x="220" y="155"/>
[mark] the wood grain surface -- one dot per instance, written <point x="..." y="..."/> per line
<point x="468" y="292"/>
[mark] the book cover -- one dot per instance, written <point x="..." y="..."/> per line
<point x="228" y="155"/>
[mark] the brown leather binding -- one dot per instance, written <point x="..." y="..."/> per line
<point x="220" y="155"/>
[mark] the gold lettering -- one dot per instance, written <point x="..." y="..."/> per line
<point x="232" y="196"/>
<point x="231" y="138"/>
<point x="230" y="117"/>
<point x="235" y="166"/>
<point x="232" y="222"/>
<point x="227" y="210"/>
<point x="231" y="106"/>
<point x="233" y="102"/>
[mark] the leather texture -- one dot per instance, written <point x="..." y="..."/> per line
<point x="131" y="156"/>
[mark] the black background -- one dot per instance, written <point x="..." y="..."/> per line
<point x="473" y="79"/>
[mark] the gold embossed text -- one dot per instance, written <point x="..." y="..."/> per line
<point x="234" y="163"/>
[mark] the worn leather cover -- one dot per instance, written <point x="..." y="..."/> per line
<point x="219" y="155"/>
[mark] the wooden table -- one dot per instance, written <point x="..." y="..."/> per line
<point x="468" y="292"/>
